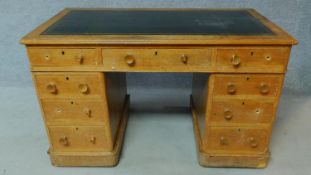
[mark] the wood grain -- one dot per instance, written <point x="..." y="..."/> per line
<point x="81" y="86"/>
<point x="62" y="56"/>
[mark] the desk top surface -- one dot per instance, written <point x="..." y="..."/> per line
<point x="143" y="26"/>
<point x="129" y="22"/>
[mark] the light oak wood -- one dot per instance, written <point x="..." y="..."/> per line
<point x="92" y="158"/>
<point x="74" y="111"/>
<point x="79" y="138"/>
<point x="234" y="140"/>
<point x="68" y="85"/>
<point x="82" y="119"/>
<point x="241" y="111"/>
<point x="245" y="58"/>
<point x="222" y="159"/>
<point x="233" y="132"/>
<point x="136" y="59"/>
<point x="80" y="82"/>
<point x="164" y="59"/>
<point x="63" y="56"/>
<point x="257" y="85"/>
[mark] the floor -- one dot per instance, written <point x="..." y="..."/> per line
<point x="158" y="140"/>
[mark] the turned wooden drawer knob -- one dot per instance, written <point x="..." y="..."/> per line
<point x="235" y="60"/>
<point x="231" y="88"/>
<point x="253" y="142"/>
<point x="64" y="141"/>
<point x="223" y="140"/>
<point x="228" y="114"/>
<point x="87" y="112"/>
<point x="84" y="88"/>
<point x="264" y="88"/>
<point x="93" y="140"/>
<point x="130" y="60"/>
<point x="184" y="59"/>
<point x="80" y="59"/>
<point x="51" y="87"/>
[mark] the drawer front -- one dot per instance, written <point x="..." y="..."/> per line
<point x="70" y="111"/>
<point x="229" y="139"/>
<point x="247" y="84"/>
<point x="79" y="138"/>
<point x="253" y="58"/>
<point x="155" y="59"/>
<point x="63" y="57"/>
<point x="68" y="85"/>
<point x="247" y="111"/>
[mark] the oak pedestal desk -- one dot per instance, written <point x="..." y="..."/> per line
<point x="79" y="59"/>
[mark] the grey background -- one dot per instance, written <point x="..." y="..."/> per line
<point x="159" y="137"/>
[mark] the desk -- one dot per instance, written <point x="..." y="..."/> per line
<point x="79" y="59"/>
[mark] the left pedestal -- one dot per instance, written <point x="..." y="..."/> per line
<point x="85" y="114"/>
<point x="94" y="158"/>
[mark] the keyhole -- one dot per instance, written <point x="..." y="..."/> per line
<point x="72" y="102"/>
<point x="67" y="78"/>
<point x="268" y="58"/>
<point x="63" y="52"/>
<point x="58" y="110"/>
<point x="252" y="53"/>
<point x="47" y="57"/>
<point x="243" y="103"/>
<point x="156" y="53"/>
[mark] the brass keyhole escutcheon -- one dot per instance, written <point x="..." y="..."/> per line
<point x="51" y="87"/>
<point x="223" y="140"/>
<point x="253" y="143"/>
<point x="84" y="88"/>
<point x="80" y="58"/>
<point x="235" y="60"/>
<point x="268" y="57"/>
<point x="184" y="58"/>
<point x="228" y="114"/>
<point x="264" y="88"/>
<point x="258" y="111"/>
<point x="64" y="141"/>
<point x="130" y="60"/>
<point x="47" y="57"/>
<point x="231" y="88"/>
<point x="87" y="112"/>
<point x="93" y="140"/>
<point x="58" y="110"/>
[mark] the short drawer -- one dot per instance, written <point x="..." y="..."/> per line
<point x="247" y="84"/>
<point x="241" y="111"/>
<point x="68" y="85"/>
<point x="63" y="56"/>
<point x="253" y="59"/>
<point x="242" y="140"/>
<point x="73" y="111"/>
<point x="156" y="59"/>
<point x="79" y="138"/>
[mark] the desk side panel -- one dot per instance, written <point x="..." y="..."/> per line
<point x="199" y="97"/>
<point x="116" y="94"/>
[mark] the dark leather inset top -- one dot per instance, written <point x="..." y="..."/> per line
<point x="144" y="22"/>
